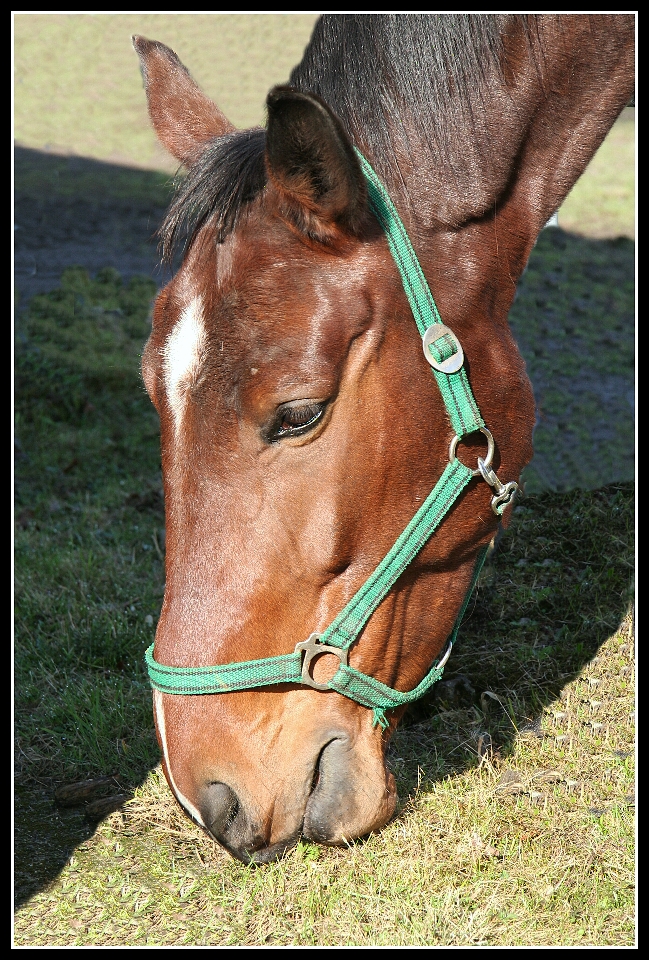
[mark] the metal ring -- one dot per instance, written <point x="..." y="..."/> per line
<point x="312" y="648"/>
<point x="442" y="663"/>
<point x="491" y="446"/>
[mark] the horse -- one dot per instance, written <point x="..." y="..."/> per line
<point x="404" y="174"/>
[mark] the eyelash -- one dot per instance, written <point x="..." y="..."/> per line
<point x="295" y="420"/>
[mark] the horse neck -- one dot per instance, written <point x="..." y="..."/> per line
<point x="413" y="92"/>
<point x="444" y="107"/>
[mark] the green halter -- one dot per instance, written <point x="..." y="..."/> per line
<point x="444" y="353"/>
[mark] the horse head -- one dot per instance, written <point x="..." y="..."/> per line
<point x="301" y="428"/>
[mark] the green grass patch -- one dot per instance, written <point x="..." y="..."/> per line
<point x="50" y="176"/>
<point x="516" y="823"/>
<point x="89" y="525"/>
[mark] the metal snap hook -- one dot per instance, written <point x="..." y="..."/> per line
<point x="503" y="492"/>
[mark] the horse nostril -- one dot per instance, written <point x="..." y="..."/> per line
<point x="219" y="807"/>
<point x="315" y="780"/>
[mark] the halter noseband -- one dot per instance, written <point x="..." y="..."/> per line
<point x="444" y="353"/>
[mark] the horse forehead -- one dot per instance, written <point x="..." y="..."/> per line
<point x="264" y="265"/>
<point x="268" y="274"/>
<point x="261" y="290"/>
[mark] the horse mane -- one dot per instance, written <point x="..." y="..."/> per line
<point x="403" y="80"/>
<point x="229" y="173"/>
<point x="396" y="81"/>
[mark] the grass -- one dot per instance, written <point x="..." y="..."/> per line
<point x="516" y="824"/>
<point x="78" y="87"/>
<point x="89" y="516"/>
<point x="64" y="178"/>
<point x="574" y="323"/>
<point x="602" y="202"/>
<point x="462" y="865"/>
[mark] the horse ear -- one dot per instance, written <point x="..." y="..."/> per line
<point x="184" y="119"/>
<point x="311" y="162"/>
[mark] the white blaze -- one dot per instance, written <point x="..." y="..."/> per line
<point x="183" y="353"/>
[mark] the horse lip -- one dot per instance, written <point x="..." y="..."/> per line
<point x="269" y="853"/>
<point x="263" y="854"/>
<point x="333" y="797"/>
<point x="275" y="851"/>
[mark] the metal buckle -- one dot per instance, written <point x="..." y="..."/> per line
<point x="491" y="446"/>
<point x="504" y="492"/>
<point x="453" y="363"/>
<point x="313" y="648"/>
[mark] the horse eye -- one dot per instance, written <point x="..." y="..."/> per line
<point x="294" y="419"/>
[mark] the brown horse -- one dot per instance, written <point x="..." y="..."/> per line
<point x="301" y="426"/>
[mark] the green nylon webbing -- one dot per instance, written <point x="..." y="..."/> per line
<point x="350" y="621"/>
<point x="341" y="633"/>
<point x="287" y="668"/>
<point x="372" y="693"/>
<point x="454" y="387"/>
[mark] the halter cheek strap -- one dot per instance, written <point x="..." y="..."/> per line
<point x="444" y="353"/>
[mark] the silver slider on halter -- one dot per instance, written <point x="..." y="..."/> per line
<point x="442" y="349"/>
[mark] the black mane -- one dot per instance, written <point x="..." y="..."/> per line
<point x="229" y="174"/>
<point x="378" y="73"/>
<point x="430" y="71"/>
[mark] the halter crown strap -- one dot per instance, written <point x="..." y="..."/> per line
<point x="454" y="387"/>
<point x="444" y="353"/>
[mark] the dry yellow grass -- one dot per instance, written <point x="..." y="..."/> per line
<point x="602" y="202"/>
<point x="78" y="87"/>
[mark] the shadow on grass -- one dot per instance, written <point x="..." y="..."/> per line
<point x="558" y="586"/>
<point x="90" y="535"/>
<point x="574" y="322"/>
<point x="89" y="546"/>
<point x="72" y="210"/>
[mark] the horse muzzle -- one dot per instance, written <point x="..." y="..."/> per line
<point x="349" y="797"/>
